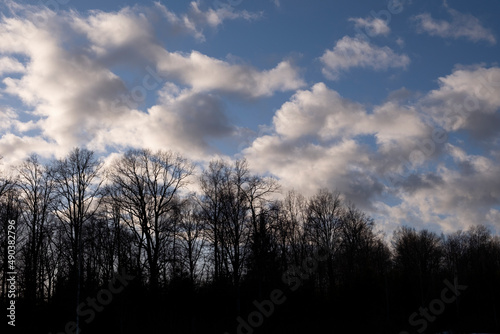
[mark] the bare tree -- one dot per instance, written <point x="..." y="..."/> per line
<point x="235" y="227"/>
<point x="263" y="215"/>
<point x="418" y="256"/>
<point x="225" y="206"/>
<point x="455" y="252"/>
<point x="362" y="251"/>
<point x="323" y="222"/>
<point x="76" y="183"/>
<point x="192" y="236"/>
<point x="6" y="183"/>
<point x="258" y="193"/>
<point x="37" y="194"/>
<point x="212" y="203"/>
<point x="145" y="188"/>
<point x="290" y="231"/>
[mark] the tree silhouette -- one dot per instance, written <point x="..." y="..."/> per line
<point x="146" y="187"/>
<point x="224" y="250"/>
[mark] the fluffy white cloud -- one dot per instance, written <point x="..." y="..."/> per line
<point x="13" y="148"/>
<point x="467" y="99"/>
<point x="372" y="26"/>
<point x="461" y="25"/>
<point x="354" y="52"/>
<point x="463" y="190"/>
<point x="317" y="112"/>
<point x="309" y="166"/>
<point x="215" y="17"/>
<point x="204" y="73"/>
<point x="68" y="85"/>
<point x="196" y="18"/>
<point x="10" y="65"/>
<point x="453" y="197"/>
<point x="323" y="113"/>
<point x="320" y="139"/>
<point x="114" y="30"/>
<point x="73" y="73"/>
<point x="479" y="82"/>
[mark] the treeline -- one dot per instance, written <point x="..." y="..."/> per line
<point x="127" y="248"/>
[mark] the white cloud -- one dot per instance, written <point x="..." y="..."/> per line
<point x="13" y="148"/>
<point x="372" y="26"/>
<point x="63" y="70"/>
<point x="308" y="166"/>
<point x="216" y="17"/>
<point x="463" y="190"/>
<point x="75" y="98"/>
<point x="461" y="25"/>
<point x="10" y="65"/>
<point x="317" y="112"/>
<point x="493" y="218"/>
<point x="353" y="52"/>
<point x="480" y="82"/>
<point x="456" y="197"/>
<point x="196" y="19"/>
<point x="9" y="121"/>
<point x="204" y="73"/>
<point x="114" y="30"/>
<point x="7" y="117"/>
<point x="467" y="99"/>
<point x="318" y="142"/>
<point x="322" y="113"/>
<point x="321" y="139"/>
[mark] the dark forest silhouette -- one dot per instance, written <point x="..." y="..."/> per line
<point x="158" y="259"/>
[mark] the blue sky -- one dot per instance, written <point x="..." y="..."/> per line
<point x="393" y="103"/>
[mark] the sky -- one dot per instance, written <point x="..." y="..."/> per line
<point x="395" y="104"/>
